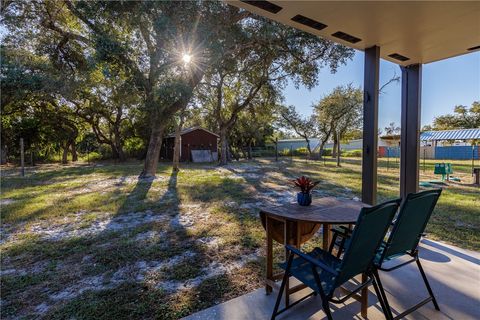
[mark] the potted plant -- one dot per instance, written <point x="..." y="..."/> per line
<point x="304" y="197"/>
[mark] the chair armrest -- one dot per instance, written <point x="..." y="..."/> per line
<point x="308" y="258"/>
<point x="342" y="231"/>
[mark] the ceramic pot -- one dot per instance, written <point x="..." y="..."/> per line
<point x="304" y="199"/>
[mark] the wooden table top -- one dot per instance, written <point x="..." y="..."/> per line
<point x="322" y="210"/>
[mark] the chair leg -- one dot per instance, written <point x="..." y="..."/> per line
<point x="282" y="286"/>
<point x="383" y="295"/>
<point x="326" y="309"/>
<point x="427" y="284"/>
<point x="340" y="247"/>
<point x="325" y="305"/>
<point x="332" y="243"/>
<point x="381" y="299"/>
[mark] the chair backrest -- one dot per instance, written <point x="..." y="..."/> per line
<point x="370" y="230"/>
<point x="411" y="222"/>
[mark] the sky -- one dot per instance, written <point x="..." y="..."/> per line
<point x="445" y="84"/>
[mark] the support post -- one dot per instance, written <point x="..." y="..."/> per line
<point x="370" y="125"/>
<point x="410" y="134"/>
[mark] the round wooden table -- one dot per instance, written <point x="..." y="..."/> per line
<point x="298" y="224"/>
<point x="323" y="211"/>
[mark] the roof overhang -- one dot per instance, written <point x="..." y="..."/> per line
<point x="423" y="31"/>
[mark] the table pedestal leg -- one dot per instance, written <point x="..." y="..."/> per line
<point x="269" y="273"/>
<point x="286" y="237"/>
<point x="326" y="236"/>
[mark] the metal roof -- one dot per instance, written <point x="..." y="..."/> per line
<point x="460" y="134"/>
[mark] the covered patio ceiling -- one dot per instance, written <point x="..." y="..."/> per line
<point x="407" y="32"/>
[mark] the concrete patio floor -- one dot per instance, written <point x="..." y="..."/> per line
<point x="454" y="275"/>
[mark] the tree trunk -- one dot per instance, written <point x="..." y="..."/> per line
<point x="338" y="151"/>
<point x="233" y="154"/>
<point x="335" y="143"/>
<point x="3" y="155"/>
<point x="65" y="153"/>
<point x="158" y="125"/>
<point x="250" y="150"/>
<point x="117" y="137"/>
<point x="177" y="145"/>
<point x="119" y="147"/>
<point x="229" y="151"/>
<point x="74" y="151"/>
<point x="114" y="150"/>
<point x="121" y="154"/>
<point x="153" y="151"/>
<point x="223" y="146"/>
<point x="320" y="151"/>
<point x="308" y="148"/>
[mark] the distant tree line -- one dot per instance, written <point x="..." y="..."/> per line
<point x="463" y="117"/>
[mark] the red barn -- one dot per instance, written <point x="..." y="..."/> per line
<point x="202" y="142"/>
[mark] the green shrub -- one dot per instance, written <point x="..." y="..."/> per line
<point x="302" y="151"/>
<point x="105" y="151"/>
<point x="357" y="153"/>
<point x="134" y="146"/>
<point x="93" y="156"/>
<point x="327" y="152"/>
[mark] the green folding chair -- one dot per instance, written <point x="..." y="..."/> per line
<point x="323" y="273"/>
<point x="408" y="228"/>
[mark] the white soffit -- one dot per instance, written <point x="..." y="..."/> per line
<point x="422" y="31"/>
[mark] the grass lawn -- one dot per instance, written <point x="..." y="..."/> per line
<point x="89" y="242"/>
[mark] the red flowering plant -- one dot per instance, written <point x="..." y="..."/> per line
<point x="305" y="184"/>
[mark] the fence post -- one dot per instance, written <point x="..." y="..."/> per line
<point x="276" y="149"/>
<point x="398" y="153"/>
<point x="424" y="155"/>
<point x="473" y="157"/>
<point x="22" y="158"/>
<point x="388" y="158"/>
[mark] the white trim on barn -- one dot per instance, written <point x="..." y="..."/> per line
<point x="188" y="130"/>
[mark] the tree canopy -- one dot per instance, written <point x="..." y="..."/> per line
<point x="122" y="70"/>
<point x="463" y="117"/>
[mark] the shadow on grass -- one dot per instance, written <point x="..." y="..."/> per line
<point x="176" y="241"/>
<point x="108" y="251"/>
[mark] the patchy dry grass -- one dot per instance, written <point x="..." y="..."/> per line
<point x="95" y="242"/>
